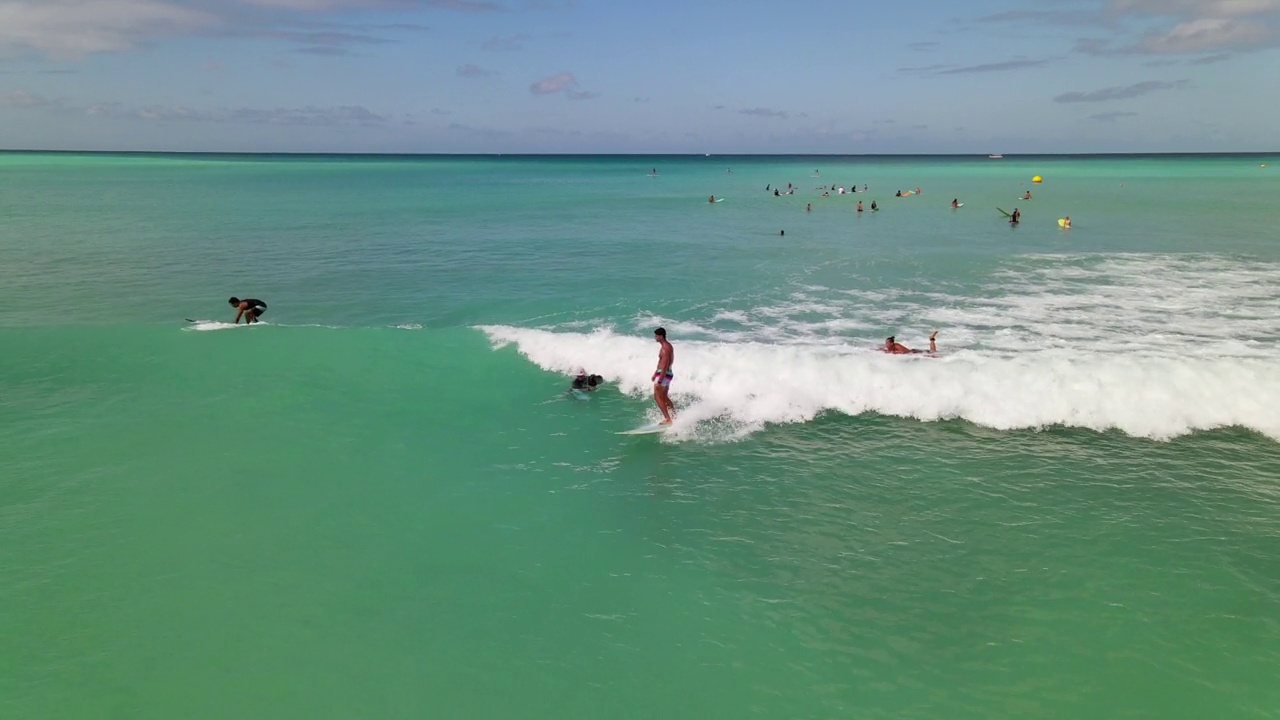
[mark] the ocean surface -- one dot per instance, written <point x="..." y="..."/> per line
<point x="380" y="502"/>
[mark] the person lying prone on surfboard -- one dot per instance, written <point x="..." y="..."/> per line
<point x="896" y="348"/>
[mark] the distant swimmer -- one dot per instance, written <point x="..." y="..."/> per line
<point x="586" y="383"/>
<point x="955" y="202"/>
<point x="918" y="191"/>
<point x="776" y="193"/>
<point x="663" y="376"/>
<point x="898" y="194"/>
<point x="249" y="308"/>
<point x="808" y="207"/>
<point x="893" y="347"/>
<point x="711" y="199"/>
<point x="1015" y="217"/>
<point x="1066" y="222"/>
<point x="873" y="206"/>
<point x="859" y="206"/>
<point x="1026" y="195"/>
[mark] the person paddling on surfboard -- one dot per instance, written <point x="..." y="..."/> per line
<point x="955" y="203"/>
<point x="663" y="376"/>
<point x="249" y="308"/>
<point x="896" y="348"/>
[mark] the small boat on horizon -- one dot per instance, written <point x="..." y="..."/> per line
<point x="997" y="156"/>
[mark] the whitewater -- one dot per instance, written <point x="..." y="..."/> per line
<point x="1155" y="346"/>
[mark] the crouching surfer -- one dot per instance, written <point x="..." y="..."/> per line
<point x="249" y="309"/>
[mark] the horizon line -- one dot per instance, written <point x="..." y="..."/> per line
<point x="332" y="153"/>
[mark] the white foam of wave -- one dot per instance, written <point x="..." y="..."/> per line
<point x="732" y="389"/>
<point x="1169" y="305"/>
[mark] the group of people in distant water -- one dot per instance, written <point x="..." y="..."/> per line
<point x="828" y="190"/>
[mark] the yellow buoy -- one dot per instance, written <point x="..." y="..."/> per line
<point x="1036" y="179"/>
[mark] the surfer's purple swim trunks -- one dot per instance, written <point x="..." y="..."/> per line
<point x="663" y="379"/>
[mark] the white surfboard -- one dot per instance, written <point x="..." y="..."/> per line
<point x="207" y="325"/>
<point x="650" y="429"/>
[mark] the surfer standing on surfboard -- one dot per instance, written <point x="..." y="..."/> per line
<point x="662" y="376"/>
<point x="249" y="308"/>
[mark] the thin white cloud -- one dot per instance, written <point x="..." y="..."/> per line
<point x="1016" y="64"/>
<point x="1111" y="116"/>
<point x="1195" y="8"/>
<point x="1201" y="26"/>
<point x="310" y="115"/>
<point x="764" y="112"/>
<point x="327" y="5"/>
<point x="24" y="99"/>
<point x="553" y="84"/>
<point x="1209" y="34"/>
<point x="510" y="42"/>
<point x="470" y="70"/>
<point x="72" y="29"/>
<point x="1123" y="92"/>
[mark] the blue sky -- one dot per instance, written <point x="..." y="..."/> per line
<point x="771" y="76"/>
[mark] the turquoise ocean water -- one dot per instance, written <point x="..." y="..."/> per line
<point x="381" y="503"/>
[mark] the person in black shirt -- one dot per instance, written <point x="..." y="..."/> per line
<point x="249" y="308"/>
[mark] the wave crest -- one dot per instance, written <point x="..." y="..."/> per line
<point x="754" y="384"/>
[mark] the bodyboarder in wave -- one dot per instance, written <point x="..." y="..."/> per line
<point x="894" y="347"/>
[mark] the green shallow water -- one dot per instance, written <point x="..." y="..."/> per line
<point x="331" y="516"/>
